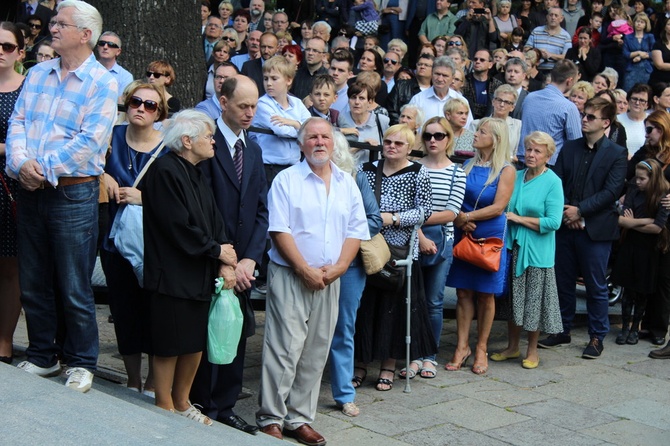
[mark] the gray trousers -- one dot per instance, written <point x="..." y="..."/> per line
<point x="299" y="327"/>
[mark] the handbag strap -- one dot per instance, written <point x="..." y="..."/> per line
<point x="379" y="128"/>
<point x="154" y="155"/>
<point x="378" y="181"/>
<point x="6" y="186"/>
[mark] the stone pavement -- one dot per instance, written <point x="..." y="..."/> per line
<point x="623" y="398"/>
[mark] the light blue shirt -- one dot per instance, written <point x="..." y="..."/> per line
<point x="342" y="99"/>
<point x="282" y="147"/>
<point x="211" y="107"/>
<point x="549" y="111"/>
<point x="122" y="76"/>
<point x="239" y="60"/>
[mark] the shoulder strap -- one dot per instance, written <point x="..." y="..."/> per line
<point x="146" y="166"/>
<point x="378" y="180"/>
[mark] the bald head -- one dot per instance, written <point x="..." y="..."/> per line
<point x="239" y="96"/>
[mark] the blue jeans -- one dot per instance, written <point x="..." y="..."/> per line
<point x="397" y="27"/>
<point x="57" y="237"/>
<point x="575" y="253"/>
<point x="342" y="348"/>
<point x="434" y="278"/>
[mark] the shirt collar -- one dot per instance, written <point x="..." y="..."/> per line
<point x="230" y="137"/>
<point x="80" y="72"/>
<point x="306" y="171"/>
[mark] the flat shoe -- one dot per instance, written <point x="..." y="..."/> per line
<point x="429" y="372"/>
<point x="503" y="357"/>
<point x="350" y="409"/>
<point x="385" y="381"/>
<point x="273" y="430"/>
<point x="526" y="364"/>
<point x="412" y="372"/>
<point x="306" y="435"/>
<point x="357" y="380"/>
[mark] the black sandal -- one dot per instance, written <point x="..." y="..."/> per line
<point x="385" y="381"/>
<point x="357" y="381"/>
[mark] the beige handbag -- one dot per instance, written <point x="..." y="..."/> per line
<point x="375" y="253"/>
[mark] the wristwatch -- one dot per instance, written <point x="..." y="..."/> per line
<point x="394" y="219"/>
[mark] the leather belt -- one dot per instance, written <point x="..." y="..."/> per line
<point x="68" y="181"/>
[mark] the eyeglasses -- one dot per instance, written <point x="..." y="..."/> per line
<point x="113" y="45"/>
<point x="35" y="26"/>
<point x="391" y="61"/>
<point x="589" y="117"/>
<point x="150" y="106"/>
<point x="229" y="39"/>
<point x="480" y="59"/>
<point x="504" y="102"/>
<point x="455" y="43"/>
<point x="61" y="25"/>
<point x="41" y="57"/>
<point x="439" y="136"/>
<point x="649" y="129"/>
<point x="156" y="75"/>
<point x="209" y="137"/>
<point x="388" y="143"/>
<point x="218" y="77"/>
<point x="8" y="48"/>
<point x="638" y="100"/>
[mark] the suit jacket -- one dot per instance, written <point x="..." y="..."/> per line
<point x="45" y="14"/>
<point x="254" y="70"/>
<point x="604" y="183"/>
<point x="243" y="206"/>
<point x="334" y="114"/>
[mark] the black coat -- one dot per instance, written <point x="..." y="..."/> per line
<point x="183" y="230"/>
<point x="243" y="207"/>
<point x="400" y="94"/>
<point x="254" y="70"/>
<point x="605" y="180"/>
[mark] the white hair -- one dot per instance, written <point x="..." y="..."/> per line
<point x="323" y="24"/>
<point x="189" y="122"/>
<point x="85" y="17"/>
<point x="341" y="155"/>
<point x="420" y="115"/>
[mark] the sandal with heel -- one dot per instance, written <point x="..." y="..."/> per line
<point x="357" y="380"/>
<point x="455" y="366"/>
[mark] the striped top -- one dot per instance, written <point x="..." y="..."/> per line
<point x="554" y="43"/>
<point x="447" y="195"/>
<point x="64" y="125"/>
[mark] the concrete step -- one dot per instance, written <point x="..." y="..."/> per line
<point x="43" y="411"/>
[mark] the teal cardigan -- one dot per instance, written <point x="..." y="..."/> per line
<point x="540" y="197"/>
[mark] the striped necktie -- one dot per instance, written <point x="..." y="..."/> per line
<point x="238" y="159"/>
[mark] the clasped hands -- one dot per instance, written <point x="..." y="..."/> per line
<point x="228" y="259"/>
<point x="571" y="217"/>
<point x="319" y="278"/>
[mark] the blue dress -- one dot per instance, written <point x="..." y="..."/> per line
<point x="465" y="275"/>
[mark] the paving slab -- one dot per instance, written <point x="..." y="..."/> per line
<point x="629" y="433"/>
<point x="498" y="393"/>
<point x="449" y="434"/>
<point x="565" y="413"/>
<point x="532" y="433"/>
<point x="473" y="414"/>
<point x="644" y="411"/>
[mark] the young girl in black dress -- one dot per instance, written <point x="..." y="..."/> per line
<point x="644" y="236"/>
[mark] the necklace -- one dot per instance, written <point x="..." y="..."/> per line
<point x="481" y="163"/>
<point x="132" y="159"/>
<point x="525" y="175"/>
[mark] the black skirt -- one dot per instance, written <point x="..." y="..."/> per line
<point x="178" y="326"/>
<point x="381" y="323"/>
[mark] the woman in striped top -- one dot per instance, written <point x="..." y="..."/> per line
<point x="448" y="184"/>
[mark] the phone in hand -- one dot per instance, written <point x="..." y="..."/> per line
<point x="479" y="11"/>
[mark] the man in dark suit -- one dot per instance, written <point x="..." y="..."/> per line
<point x="33" y="7"/>
<point x="254" y="68"/>
<point x="238" y="180"/>
<point x="593" y="171"/>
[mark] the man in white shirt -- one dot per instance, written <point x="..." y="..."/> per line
<point x="433" y="99"/>
<point x="317" y="221"/>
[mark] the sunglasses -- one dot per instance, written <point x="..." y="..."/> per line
<point x="35" y="26"/>
<point x="8" y="47"/>
<point x="388" y="143"/>
<point x="455" y="43"/>
<point x="102" y="43"/>
<point x="589" y="117"/>
<point x="391" y="61"/>
<point x="439" y="136"/>
<point x="229" y="39"/>
<point x="150" y="106"/>
<point x="156" y="75"/>
<point x="649" y="129"/>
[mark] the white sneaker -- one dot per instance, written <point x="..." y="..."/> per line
<point x="29" y="367"/>
<point x="192" y="413"/>
<point x="79" y="379"/>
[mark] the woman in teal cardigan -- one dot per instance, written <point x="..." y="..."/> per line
<point x="534" y="216"/>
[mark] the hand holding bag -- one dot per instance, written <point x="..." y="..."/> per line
<point x="482" y="252"/>
<point x="375" y="254"/>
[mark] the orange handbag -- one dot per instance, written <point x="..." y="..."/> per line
<point x="482" y="252"/>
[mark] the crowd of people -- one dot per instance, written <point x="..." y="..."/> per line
<point x="318" y="131"/>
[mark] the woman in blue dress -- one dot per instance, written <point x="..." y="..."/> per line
<point x="132" y="147"/>
<point x="489" y="185"/>
<point x="637" y="50"/>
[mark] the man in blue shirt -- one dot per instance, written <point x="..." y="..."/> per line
<point x="109" y="49"/>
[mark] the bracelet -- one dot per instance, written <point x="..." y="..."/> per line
<point x="467" y="218"/>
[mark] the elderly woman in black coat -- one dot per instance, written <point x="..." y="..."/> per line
<point x="185" y="249"/>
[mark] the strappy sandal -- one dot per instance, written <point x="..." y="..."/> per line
<point x="428" y="372"/>
<point x="385" y="381"/>
<point x="410" y="370"/>
<point x="357" y="380"/>
<point x="454" y="366"/>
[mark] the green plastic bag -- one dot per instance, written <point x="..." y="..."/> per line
<point x="225" y="325"/>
